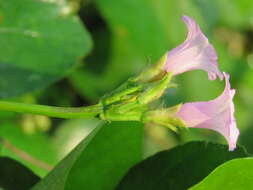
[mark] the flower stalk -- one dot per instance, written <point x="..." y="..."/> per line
<point x="52" y="111"/>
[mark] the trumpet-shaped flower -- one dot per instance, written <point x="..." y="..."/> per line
<point x="193" y="54"/>
<point x="217" y="115"/>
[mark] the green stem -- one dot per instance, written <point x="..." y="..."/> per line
<point x="52" y="111"/>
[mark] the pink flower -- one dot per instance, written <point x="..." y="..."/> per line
<point x="217" y="115"/>
<point x="194" y="53"/>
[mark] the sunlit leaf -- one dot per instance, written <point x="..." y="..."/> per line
<point x="40" y="41"/>
<point x="233" y="175"/>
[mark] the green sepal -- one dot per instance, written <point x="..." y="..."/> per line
<point x="165" y="117"/>
<point x="155" y="90"/>
<point x="123" y="92"/>
<point x="124" y="112"/>
<point x="131" y="100"/>
<point x="153" y="73"/>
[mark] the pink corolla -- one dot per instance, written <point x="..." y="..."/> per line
<point x="217" y="115"/>
<point x="195" y="53"/>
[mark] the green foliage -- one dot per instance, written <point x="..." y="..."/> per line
<point x="178" y="168"/>
<point x="41" y="43"/>
<point x="14" y="175"/>
<point x="99" y="161"/>
<point x="233" y="175"/>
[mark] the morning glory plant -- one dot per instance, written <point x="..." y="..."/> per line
<point x="133" y="100"/>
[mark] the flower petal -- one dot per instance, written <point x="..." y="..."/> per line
<point x="194" y="53"/>
<point x="217" y="114"/>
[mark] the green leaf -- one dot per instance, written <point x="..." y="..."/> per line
<point x="40" y="42"/>
<point x="57" y="178"/>
<point x="99" y="161"/>
<point x="233" y="175"/>
<point x="178" y="168"/>
<point x="14" y="175"/>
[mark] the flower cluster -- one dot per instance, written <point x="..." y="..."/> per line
<point x="133" y="99"/>
<point x="197" y="53"/>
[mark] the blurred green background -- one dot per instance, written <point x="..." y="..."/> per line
<point x="70" y="53"/>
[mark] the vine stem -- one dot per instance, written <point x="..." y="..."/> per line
<point x="53" y="111"/>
